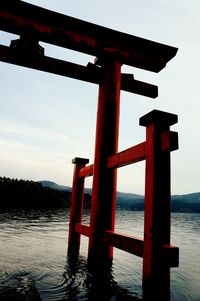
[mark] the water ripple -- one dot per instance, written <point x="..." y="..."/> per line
<point x="34" y="246"/>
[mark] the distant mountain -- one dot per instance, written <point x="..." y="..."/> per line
<point x="186" y="202"/>
<point x="130" y="201"/>
<point x="46" y="194"/>
<point x="53" y="185"/>
<point x="180" y="203"/>
<point x="190" y="198"/>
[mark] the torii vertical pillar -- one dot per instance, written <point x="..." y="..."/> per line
<point x="157" y="210"/>
<point x="103" y="204"/>
<point x="76" y="207"/>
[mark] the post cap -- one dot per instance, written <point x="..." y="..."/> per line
<point x="78" y="160"/>
<point x="158" y="117"/>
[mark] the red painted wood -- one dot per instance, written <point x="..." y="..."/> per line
<point x="64" y="68"/>
<point x="32" y="22"/>
<point x="170" y="255"/>
<point x="86" y="171"/>
<point x="82" y="229"/>
<point x="126" y="243"/>
<point x="169" y="141"/>
<point x="157" y="217"/>
<point x="76" y="206"/>
<point x="158" y="255"/>
<point x="156" y="272"/>
<point x="103" y="204"/>
<point x="134" y="245"/>
<point x="22" y="18"/>
<point x="131" y="155"/>
<point x="138" y="87"/>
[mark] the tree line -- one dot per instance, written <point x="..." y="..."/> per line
<point x="26" y="194"/>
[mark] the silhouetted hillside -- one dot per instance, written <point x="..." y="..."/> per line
<point x="45" y="194"/>
<point x="186" y="203"/>
<point x="129" y="201"/>
<point x="28" y="194"/>
<point x="54" y="185"/>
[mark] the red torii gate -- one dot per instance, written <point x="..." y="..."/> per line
<point x="155" y="249"/>
<point x="113" y="48"/>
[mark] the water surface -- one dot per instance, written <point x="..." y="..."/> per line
<point x="34" y="244"/>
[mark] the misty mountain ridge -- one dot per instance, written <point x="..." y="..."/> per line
<point x="54" y="185"/>
<point x="180" y="203"/>
<point x="24" y="194"/>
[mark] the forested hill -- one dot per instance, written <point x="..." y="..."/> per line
<point x="129" y="201"/>
<point x="21" y="194"/>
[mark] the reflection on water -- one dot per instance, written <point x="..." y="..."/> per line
<point x="34" y="246"/>
<point x="80" y="285"/>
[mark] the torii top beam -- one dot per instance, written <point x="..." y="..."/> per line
<point x="22" y="18"/>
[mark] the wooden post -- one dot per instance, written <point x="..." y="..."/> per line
<point x="156" y="272"/>
<point x="104" y="181"/>
<point x="76" y="206"/>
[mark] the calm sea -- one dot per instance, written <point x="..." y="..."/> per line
<point x="34" y="245"/>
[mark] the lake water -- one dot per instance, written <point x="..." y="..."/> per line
<point x="34" y="244"/>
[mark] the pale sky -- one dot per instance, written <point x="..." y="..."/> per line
<point x="46" y="120"/>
